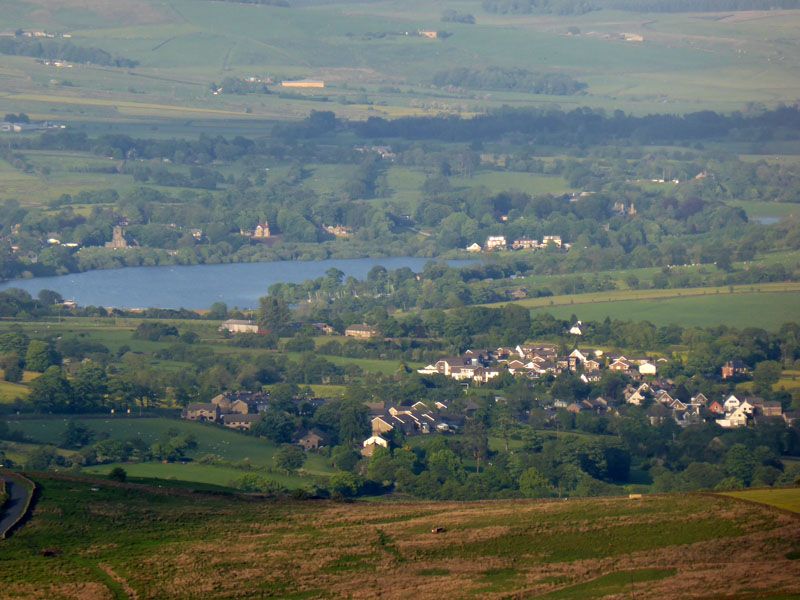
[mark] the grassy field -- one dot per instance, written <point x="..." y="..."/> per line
<point x="197" y="473"/>
<point x="787" y="498"/>
<point x="763" y="305"/>
<point x="230" y="446"/>
<point x="685" y="63"/>
<point x="180" y="544"/>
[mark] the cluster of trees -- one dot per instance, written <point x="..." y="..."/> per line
<point x="583" y="126"/>
<point x="668" y="6"/>
<point x="527" y="7"/>
<point x="451" y="15"/>
<point x="501" y="78"/>
<point x="61" y="50"/>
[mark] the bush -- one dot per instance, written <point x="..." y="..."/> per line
<point x="118" y="474"/>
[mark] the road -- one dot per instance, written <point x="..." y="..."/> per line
<point x="15" y="505"/>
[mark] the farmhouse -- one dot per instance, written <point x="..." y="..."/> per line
<point x="239" y="326"/>
<point x="313" y="440"/>
<point x="201" y="411"/>
<point x="240" y="422"/>
<point x="361" y="331"/>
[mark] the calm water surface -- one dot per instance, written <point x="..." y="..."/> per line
<point x="199" y="286"/>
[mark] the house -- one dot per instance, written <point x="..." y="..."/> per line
<point x="261" y="231"/>
<point x="313" y="440"/>
<point x="731" y="403"/>
<point x="474" y="247"/>
<point x="338" y="230"/>
<point x="481" y="356"/>
<point x="240" y="422"/>
<point x="734" y="368"/>
<point x="739" y="417"/>
<point x="517" y="293"/>
<point x="241" y="402"/>
<point x="598" y="405"/>
<point x="496" y="242"/>
<point x="555" y="240"/>
<point x="591" y="366"/>
<point x="621" y="365"/>
<point x="716" y="408"/>
<point x="576" y="328"/>
<point x="362" y="331"/>
<point x="647" y="368"/>
<point x="372" y="442"/>
<point x="201" y="411"/>
<point x="770" y="409"/>
<point x="323" y="328"/>
<point x="239" y="326"/>
<point x="382" y="424"/>
<point x="525" y="244"/>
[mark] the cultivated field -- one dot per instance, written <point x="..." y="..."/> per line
<point x="118" y="540"/>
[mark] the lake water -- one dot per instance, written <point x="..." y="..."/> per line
<point x="199" y="286"/>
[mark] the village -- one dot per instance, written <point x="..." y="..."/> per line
<point x="477" y="368"/>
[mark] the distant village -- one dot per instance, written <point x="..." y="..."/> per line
<point x="476" y="367"/>
<point x="499" y="242"/>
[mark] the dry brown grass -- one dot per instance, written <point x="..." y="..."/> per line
<point x="193" y="546"/>
<point x="365" y="550"/>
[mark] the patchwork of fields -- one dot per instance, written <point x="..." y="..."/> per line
<point x="685" y="61"/>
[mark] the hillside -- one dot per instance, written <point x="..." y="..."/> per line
<point x="374" y="62"/>
<point x="97" y="539"/>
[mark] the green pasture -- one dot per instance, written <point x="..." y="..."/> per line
<point x="230" y="446"/>
<point x="760" y="305"/>
<point x="383" y="367"/>
<point x="765" y="310"/>
<point x="195" y="472"/>
<point x="785" y="498"/>
<point x="9" y="392"/>
<point x="755" y="209"/>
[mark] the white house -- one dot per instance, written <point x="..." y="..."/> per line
<point x="647" y="368"/>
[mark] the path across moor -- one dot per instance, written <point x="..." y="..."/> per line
<point x="12" y="511"/>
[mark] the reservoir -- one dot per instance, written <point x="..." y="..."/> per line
<point x="199" y="286"/>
